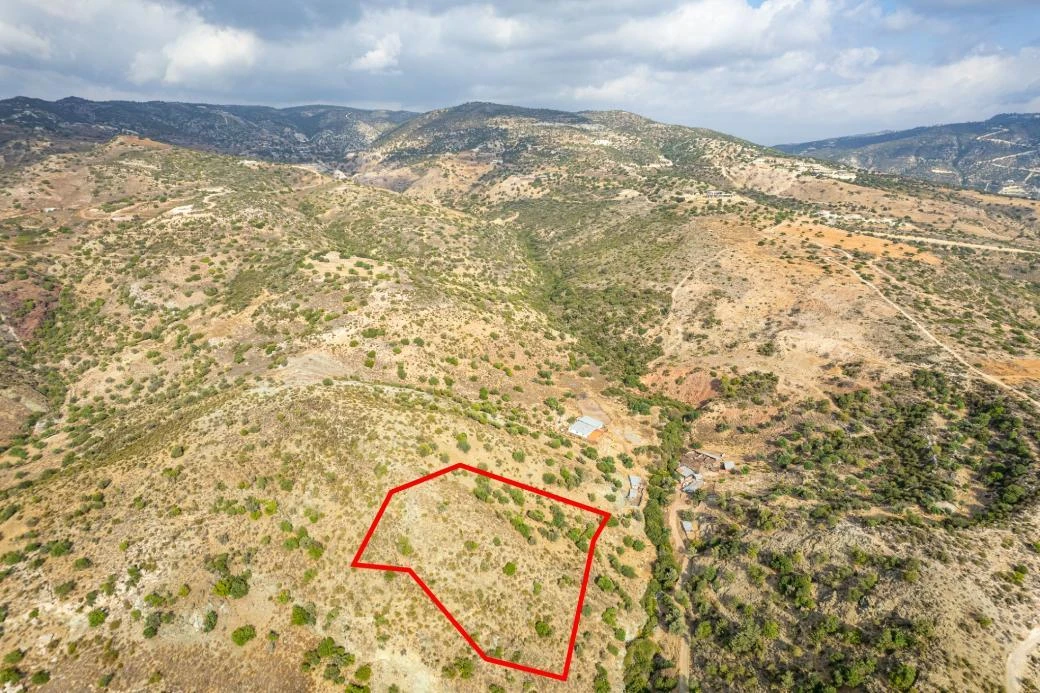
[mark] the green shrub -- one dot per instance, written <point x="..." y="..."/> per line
<point x="234" y="586"/>
<point x="463" y="667"/>
<point x="243" y="634"/>
<point x="903" y="677"/>
<point x="302" y="616"/>
<point x="60" y="548"/>
<point x="96" y="617"/>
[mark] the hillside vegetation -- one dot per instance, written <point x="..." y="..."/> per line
<point x="297" y="134"/>
<point x="214" y="369"/>
<point x="996" y="155"/>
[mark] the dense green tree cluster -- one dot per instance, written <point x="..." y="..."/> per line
<point x="903" y="445"/>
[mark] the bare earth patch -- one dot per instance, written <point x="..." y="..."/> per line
<point x="1014" y="371"/>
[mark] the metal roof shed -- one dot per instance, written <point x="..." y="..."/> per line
<point x="585" y="427"/>
<point x="694" y="485"/>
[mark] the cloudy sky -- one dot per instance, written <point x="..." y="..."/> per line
<point x="769" y="70"/>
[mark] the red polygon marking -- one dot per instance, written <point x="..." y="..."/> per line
<point x="604" y="518"/>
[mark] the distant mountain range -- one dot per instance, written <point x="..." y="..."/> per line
<point x="323" y="134"/>
<point x="999" y="155"/>
<point x="298" y="134"/>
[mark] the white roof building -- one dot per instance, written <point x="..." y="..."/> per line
<point x="636" y="483"/>
<point x="585" y="427"/>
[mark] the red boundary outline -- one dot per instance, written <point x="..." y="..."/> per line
<point x="604" y="515"/>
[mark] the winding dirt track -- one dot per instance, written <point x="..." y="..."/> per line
<point x="673" y="333"/>
<point x="924" y="330"/>
<point x="1018" y="660"/>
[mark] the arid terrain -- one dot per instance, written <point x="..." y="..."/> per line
<point x="215" y="368"/>
<point x="996" y="155"/>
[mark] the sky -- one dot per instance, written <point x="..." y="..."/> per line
<point x="772" y="71"/>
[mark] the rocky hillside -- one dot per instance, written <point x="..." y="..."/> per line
<point x="1000" y="155"/>
<point x="214" y="368"/>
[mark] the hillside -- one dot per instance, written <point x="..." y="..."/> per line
<point x="299" y="134"/>
<point x="215" y="368"/>
<point x="999" y="155"/>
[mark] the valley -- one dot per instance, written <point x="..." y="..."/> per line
<point x="215" y="368"/>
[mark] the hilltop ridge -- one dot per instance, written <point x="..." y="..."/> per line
<point x="297" y="134"/>
<point x="997" y="155"/>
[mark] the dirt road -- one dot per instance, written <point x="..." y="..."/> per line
<point x="955" y="244"/>
<point x="683" y="660"/>
<point x="673" y="325"/>
<point x="927" y="333"/>
<point x="1018" y="661"/>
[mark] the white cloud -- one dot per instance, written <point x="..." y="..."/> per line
<point x="901" y="19"/>
<point x="806" y="96"/>
<point x="956" y="90"/>
<point x="639" y="84"/>
<point x="382" y="57"/>
<point x="719" y="28"/>
<point x="853" y="62"/>
<point x="201" y="52"/>
<point x="968" y="4"/>
<point x="15" y="40"/>
<point x="770" y="70"/>
<point x="872" y="17"/>
<point x="482" y="26"/>
<point x="206" y="49"/>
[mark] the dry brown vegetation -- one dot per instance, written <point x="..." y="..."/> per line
<point x="215" y="369"/>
